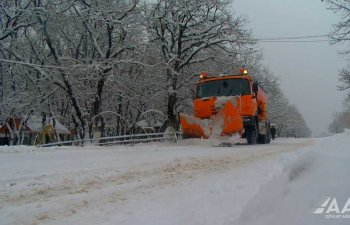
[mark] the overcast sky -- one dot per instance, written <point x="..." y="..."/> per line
<point x="308" y="72"/>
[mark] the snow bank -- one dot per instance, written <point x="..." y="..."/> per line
<point x="292" y="197"/>
<point x="25" y="148"/>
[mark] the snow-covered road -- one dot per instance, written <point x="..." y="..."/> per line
<point x="163" y="184"/>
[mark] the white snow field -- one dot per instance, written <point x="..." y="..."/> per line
<point x="317" y="182"/>
<point x="188" y="182"/>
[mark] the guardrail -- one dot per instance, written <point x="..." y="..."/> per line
<point x="123" y="139"/>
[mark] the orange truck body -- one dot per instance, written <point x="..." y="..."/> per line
<point x="225" y="115"/>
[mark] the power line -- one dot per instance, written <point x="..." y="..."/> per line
<point x="292" y="38"/>
<point x="298" y="37"/>
<point x="286" y="41"/>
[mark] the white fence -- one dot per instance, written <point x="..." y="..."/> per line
<point x="123" y="139"/>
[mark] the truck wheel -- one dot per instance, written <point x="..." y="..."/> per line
<point x="261" y="139"/>
<point x="265" y="138"/>
<point x="268" y="134"/>
<point x="251" y="135"/>
<point x="268" y="137"/>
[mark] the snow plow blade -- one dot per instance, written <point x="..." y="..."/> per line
<point x="226" y="122"/>
<point x="193" y="127"/>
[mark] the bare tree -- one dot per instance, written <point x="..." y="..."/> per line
<point x="75" y="48"/>
<point x="341" y="120"/>
<point x="108" y="62"/>
<point x="186" y="31"/>
<point x="341" y="34"/>
<point x="341" y="30"/>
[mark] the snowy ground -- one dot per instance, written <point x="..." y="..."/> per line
<point x="179" y="183"/>
<point x="318" y="181"/>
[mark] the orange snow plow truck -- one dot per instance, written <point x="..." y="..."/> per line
<point x="227" y="105"/>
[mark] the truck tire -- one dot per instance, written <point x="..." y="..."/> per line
<point x="268" y="137"/>
<point x="263" y="139"/>
<point x="268" y="134"/>
<point x="252" y="135"/>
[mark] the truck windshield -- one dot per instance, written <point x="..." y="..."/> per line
<point x="228" y="87"/>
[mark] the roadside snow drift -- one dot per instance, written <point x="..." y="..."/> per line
<point x="314" y="190"/>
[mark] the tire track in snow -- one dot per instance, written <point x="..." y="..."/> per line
<point x="117" y="188"/>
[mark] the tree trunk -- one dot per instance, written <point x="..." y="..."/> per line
<point x="98" y="100"/>
<point x="172" y="110"/>
<point x="12" y="136"/>
<point x="172" y="97"/>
